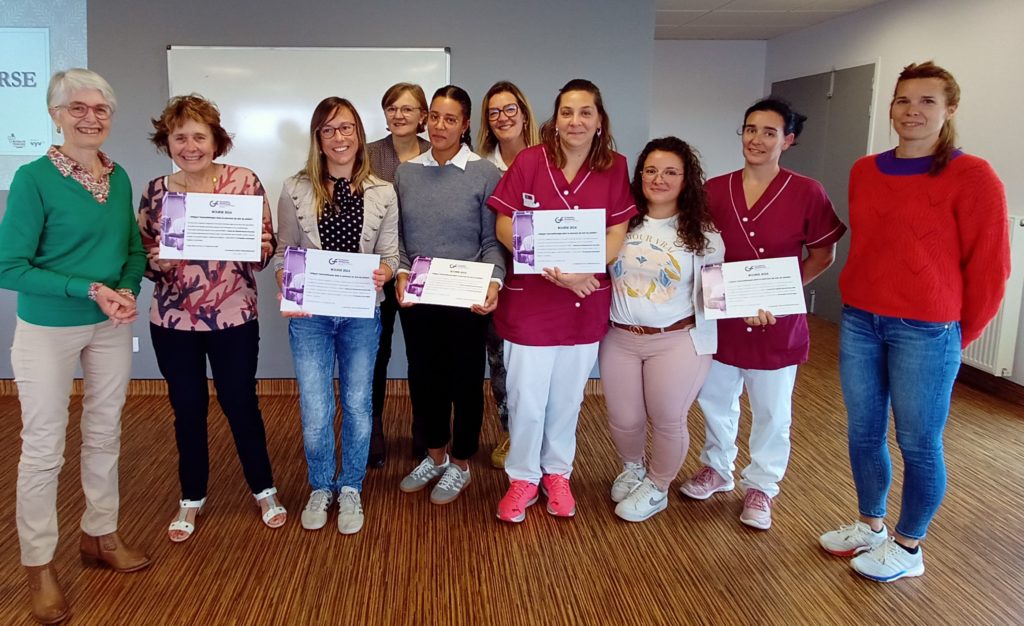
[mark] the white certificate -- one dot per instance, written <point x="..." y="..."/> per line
<point x="739" y="289"/>
<point x="339" y="284"/>
<point x="211" y="227"/>
<point x="448" y="282"/>
<point x="572" y="241"/>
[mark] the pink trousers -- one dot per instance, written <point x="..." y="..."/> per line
<point x="656" y="378"/>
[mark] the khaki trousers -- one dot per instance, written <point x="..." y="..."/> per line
<point x="44" y="359"/>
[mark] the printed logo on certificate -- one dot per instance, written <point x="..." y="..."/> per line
<point x="572" y="241"/>
<point x="740" y="288"/>
<point x="211" y="227"/>
<point x="320" y="282"/>
<point x="449" y="282"/>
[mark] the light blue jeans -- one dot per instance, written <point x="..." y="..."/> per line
<point x="317" y="342"/>
<point x="912" y="366"/>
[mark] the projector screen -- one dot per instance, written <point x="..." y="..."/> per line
<point x="266" y="96"/>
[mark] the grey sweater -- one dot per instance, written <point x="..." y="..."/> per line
<point x="443" y="213"/>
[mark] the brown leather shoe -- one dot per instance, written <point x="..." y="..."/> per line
<point x="110" y="551"/>
<point x="48" y="605"/>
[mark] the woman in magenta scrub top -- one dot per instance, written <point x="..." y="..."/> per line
<point x="552" y="323"/>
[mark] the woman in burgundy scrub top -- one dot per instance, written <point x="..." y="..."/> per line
<point x="764" y="211"/>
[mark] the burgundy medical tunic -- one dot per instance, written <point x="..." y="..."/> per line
<point x="793" y="212"/>
<point x="531" y="310"/>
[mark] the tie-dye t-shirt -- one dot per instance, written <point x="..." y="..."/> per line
<point x="652" y="278"/>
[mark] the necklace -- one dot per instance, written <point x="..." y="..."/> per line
<point x="202" y="184"/>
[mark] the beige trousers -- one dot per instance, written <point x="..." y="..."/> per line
<point x="44" y="359"/>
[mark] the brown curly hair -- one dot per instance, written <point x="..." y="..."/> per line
<point x="193" y="107"/>
<point x="694" y="216"/>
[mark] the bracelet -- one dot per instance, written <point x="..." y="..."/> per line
<point x="93" y="290"/>
<point x="127" y="293"/>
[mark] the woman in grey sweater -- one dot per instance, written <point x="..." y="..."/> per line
<point x="442" y="195"/>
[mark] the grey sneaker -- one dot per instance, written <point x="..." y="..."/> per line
<point x="425" y="472"/>
<point x="314" y="516"/>
<point x="630" y="478"/>
<point x="350" y="511"/>
<point x="450" y="485"/>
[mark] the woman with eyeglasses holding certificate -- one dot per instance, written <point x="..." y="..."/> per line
<point x="336" y="203"/>
<point x="441" y="196"/>
<point x="552" y="322"/>
<point x="507" y="127"/>
<point x="763" y="211"/>
<point x="658" y="350"/>
<point x="405" y="111"/>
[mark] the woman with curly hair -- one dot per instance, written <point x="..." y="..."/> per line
<point x="657" y="353"/>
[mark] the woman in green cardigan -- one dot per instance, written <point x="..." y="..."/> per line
<point x="70" y="247"/>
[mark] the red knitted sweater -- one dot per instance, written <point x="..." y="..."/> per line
<point x="929" y="248"/>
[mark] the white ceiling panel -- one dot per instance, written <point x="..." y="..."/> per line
<point x="746" y="19"/>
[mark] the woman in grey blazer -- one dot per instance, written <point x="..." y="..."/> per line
<point x="336" y="203"/>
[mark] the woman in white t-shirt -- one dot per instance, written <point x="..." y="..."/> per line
<point x="657" y="353"/>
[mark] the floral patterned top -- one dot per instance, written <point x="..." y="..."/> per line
<point x="100" y="189"/>
<point x="203" y="295"/>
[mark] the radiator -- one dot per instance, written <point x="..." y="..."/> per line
<point x="993" y="352"/>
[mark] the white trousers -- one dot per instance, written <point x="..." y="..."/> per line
<point x="771" y="404"/>
<point x="44" y="360"/>
<point x="545" y="390"/>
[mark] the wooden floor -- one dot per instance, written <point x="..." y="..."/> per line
<point x="417" y="563"/>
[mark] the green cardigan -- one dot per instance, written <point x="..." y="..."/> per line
<point x="56" y="239"/>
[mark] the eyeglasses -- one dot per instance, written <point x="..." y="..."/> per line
<point x="81" y="109"/>
<point x="667" y="174"/>
<point x="449" y="120"/>
<point x="406" y="111"/>
<point x="510" y="111"/>
<point x="345" y="130"/>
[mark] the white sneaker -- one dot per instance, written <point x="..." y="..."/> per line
<point x="314" y="516"/>
<point x="852" y="540"/>
<point x="888" y="562"/>
<point x="643" y="502"/>
<point x="451" y="484"/>
<point x="630" y="478"/>
<point x="422" y="474"/>
<point x="350" y="511"/>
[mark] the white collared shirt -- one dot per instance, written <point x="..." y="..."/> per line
<point x="461" y="158"/>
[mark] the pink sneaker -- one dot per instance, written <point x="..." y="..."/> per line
<point x="559" y="495"/>
<point x="520" y="495"/>
<point x="705" y="483"/>
<point x="757" y="510"/>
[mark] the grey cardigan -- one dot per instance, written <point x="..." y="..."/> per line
<point x="297" y="220"/>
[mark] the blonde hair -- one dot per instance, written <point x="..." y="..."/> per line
<point x="315" y="169"/>
<point x="486" y="138"/>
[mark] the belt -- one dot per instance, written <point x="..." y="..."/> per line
<point x="683" y="324"/>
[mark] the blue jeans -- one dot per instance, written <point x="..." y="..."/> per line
<point x="912" y="365"/>
<point x="317" y="342"/>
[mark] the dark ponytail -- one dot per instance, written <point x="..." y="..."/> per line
<point x="459" y="95"/>
<point x="792" y="122"/>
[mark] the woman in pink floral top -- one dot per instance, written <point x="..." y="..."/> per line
<point x="206" y="310"/>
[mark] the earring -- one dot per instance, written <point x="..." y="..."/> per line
<point x="598" y="132"/>
<point x="59" y="131"/>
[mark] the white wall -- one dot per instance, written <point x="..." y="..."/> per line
<point x="978" y="41"/>
<point x="700" y="90"/>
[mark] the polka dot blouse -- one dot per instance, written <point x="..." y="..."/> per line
<point x="341" y="221"/>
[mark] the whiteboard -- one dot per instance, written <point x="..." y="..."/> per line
<point x="266" y="96"/>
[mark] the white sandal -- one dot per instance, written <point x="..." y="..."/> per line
<point x="273" y="510"/>
<point x="181" y="524"/>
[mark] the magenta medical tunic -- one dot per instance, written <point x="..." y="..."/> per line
<point x="793" y="212"/>
<point x="531" y="310"/>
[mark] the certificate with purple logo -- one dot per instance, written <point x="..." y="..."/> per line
<point x="211" y="227"/>
<point x="339" y="284"/>
<point x="448" y="282"/>
<point x="572" y="241"/>
<point x="739" y="289"/>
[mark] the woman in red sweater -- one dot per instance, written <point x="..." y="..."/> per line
<point x="929" y="258"/>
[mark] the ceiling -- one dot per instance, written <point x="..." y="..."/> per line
<point x="745" y="19"/>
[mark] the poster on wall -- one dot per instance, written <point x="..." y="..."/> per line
<point x="25" y="126"/>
